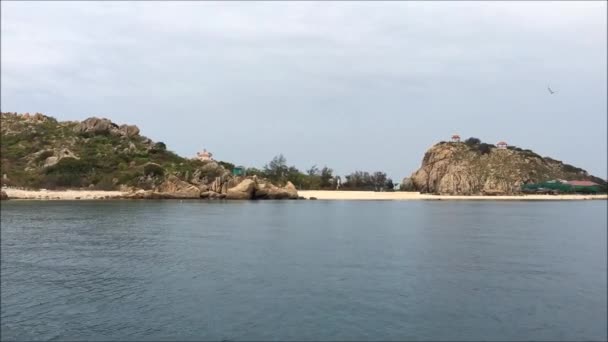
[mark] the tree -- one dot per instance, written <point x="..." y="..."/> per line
<point x="485" y="148"/>
<point x="326" y="178"/>
<point x="252" y="171"/>
<point x="364" y="181"/>
<point x="389" y="185"/>
<point x="277" y="169"/>
<point x="226" y="165"/>
<point x="154" y="170"/>
<point x="297" y="178"/>
<point x="313" y="170"/>
<point x="358" y="180"/>
<point x="472" y="141"/>
<point x="378" y="180"/>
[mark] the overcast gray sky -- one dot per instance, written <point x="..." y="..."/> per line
<point x="352" y="85"/>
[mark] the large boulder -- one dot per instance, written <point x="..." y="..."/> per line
<point x="58" y="155"/>
<point x="94" y="125"/>
<point x="212" y="169"/>
<point x="262" y="190"/>
<point x="3" y="196"/>
<point x="275" y="192"/>
<point x="129" y="130"/>
<point x="291" y="190"/>
<point x="212" y="174"/>
<point x="244" y="190"/>
<point x="266" y="190"/>
<point x="177" y="188"/>
<point x="218" y="185"/>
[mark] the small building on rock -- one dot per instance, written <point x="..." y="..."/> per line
<point x="204" y="156"/>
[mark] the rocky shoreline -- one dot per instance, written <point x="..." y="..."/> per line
<point x="172" y="188"/>
<point x="98" y="154"/>
<point x="238" y="188"/>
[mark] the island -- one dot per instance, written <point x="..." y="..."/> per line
<point x="43" y="158"/>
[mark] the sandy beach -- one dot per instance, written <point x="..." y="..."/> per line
<point x="62" y="195"/>
<point x="404" y="196"/>
<point x="318" y="194"/>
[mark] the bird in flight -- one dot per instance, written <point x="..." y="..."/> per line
<point x="551" y="91"/>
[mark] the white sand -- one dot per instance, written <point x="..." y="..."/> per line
<point x="398" y="195"/>
<point x="61" y="195"/>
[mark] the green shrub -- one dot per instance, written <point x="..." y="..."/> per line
<point x="153" y="170"/>
<point x="105" y="183"/>
<point x="158" y="147"/>
<point x="70" y="166"/>
<point x="129" y="178"/>
<point x="472" y="141"/>
<point x="61" y="181"/>
<point x="570" y="168"/>
<point x="226" y="165"/>
<point x="484" y="148"/>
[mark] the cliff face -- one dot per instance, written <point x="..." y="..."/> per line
<point x="461" y="169"/>
<point x="37" y="151"/>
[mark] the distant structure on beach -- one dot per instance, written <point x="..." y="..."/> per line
<point x="204" y="156"/>
<point x="502" y="145"/>
<point x="581" y="183"/>
<point x="239" y="171"/>
<point x="455" y="138"/>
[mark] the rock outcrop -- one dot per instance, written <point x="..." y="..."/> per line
<point x="266" y="190"/>
<point x="174" y="187"/>
<point x="291" y="190"/>
<point x="57" y="156"/>
<point x="129" y="130"/>
<point x="461" y="169"/>
<point x="231" y="188"/>
<point x="3" y="196"/>
<point x="243" y="190"/>
<point x="94" y="125"/>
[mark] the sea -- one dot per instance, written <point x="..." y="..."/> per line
<point x="303" y="270"/>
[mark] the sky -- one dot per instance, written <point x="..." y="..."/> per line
<point x="351" y="85"/>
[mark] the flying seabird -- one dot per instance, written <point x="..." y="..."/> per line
<point x="551" y="91"/>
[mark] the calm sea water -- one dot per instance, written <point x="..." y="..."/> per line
<point x="303" y="270"/>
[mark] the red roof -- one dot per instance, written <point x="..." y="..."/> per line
<point x="582" y="183"/>
<point x="455" y="136"/>
<point x="501" y="143"/>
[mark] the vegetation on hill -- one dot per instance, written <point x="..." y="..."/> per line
<point x="37" y="151"/>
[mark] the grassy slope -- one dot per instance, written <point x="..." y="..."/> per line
<point x="106" y="161"/>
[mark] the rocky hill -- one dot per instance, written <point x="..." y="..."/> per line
<point x="37" y="151"/>
<point x="458" y="168"/>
